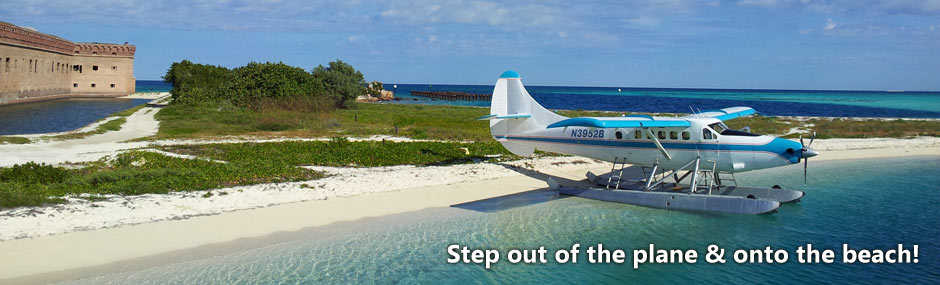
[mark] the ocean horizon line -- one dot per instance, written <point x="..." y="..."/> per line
<point x="670" y="88"/>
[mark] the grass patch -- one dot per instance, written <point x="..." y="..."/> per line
<point x="135" y="173"/>
<point x="14" y="140"/>
<point x="841" y="128"/>
<point x="341" y="152"/>
<point x="128" y="112"/>
<point x="763" y="125"/>
<point x="112" y="125"/>
<point x="213" y="119"/>
<point x="140" y="172"/>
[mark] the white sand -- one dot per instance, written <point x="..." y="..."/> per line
<point x="79" y="214"/>
<point x="23" y="258"/>
<point x="147" y="95"/>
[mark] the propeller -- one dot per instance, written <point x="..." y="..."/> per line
<point x="806" y="154"/>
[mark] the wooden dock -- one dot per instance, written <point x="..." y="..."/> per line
<point x="452" y="95"/>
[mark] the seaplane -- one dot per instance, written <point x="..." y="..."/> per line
<point x="687" y="163"/>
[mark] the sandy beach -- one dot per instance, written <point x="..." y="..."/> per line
<point x="70" y="240"/>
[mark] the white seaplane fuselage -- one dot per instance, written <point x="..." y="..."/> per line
<point x="732" y="153"/>
<point x="522" y="125"/>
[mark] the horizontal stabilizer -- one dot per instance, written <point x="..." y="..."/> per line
<point x="512" y="116"/>
<point x="621" y="122"/>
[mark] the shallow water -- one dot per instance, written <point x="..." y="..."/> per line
<point x="670" y="100"/>
<point x="866" y="203"/>
<point x="59" y="115"/>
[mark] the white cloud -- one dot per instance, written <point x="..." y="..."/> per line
<point x="760" y="3"/>
<point x="645" y="21"/>
<point x="830" y="25"/>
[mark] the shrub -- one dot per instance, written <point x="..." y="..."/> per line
<point x="32" y="172"/>
<point x="343" y="82"/>
<point x="375" y="89"/>
<point x="196" y="82"/>
<point x="266" y="85"/>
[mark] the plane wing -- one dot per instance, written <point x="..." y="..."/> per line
<point x="637" y="121"/>
<point x="725" y="114"/>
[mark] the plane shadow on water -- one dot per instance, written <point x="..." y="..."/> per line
<point x="521" y="199"/>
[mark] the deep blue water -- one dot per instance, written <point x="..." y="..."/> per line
<point x="153" y="86"/>
<point x="59" y="115"/>
<point x="875" y="204"/>
<point x="68" y="114"/>
<point x="668" y="100"/>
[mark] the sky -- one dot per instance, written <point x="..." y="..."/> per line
<point x="760" y="44"/>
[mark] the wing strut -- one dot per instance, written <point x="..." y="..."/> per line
<point x="658" y="145"/>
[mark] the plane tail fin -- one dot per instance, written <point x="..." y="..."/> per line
<point x="514" y="112"/>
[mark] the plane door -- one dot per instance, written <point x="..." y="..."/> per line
<point x="710" y="148"/>
<point x="614" y="139"/>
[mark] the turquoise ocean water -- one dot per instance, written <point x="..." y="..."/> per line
<point x="875" y="203"/>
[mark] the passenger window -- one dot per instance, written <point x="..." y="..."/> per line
<point x="686" y="136"/>
<point x="662" y="135"/>
<point x="706" y="134"/>
<point x="673" y="135"/>
<point x="638" y="134"/>
<point x="619" y="135"/>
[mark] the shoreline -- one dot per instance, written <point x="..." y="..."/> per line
<point x="100" y="251"/>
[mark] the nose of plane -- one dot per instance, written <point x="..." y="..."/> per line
<point x="809" y="153"/>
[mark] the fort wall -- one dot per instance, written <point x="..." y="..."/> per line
<point x="36" y="66"/>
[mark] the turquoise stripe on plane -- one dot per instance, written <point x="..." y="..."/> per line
<point x="514" y="116"/>
<point x="599" y="123"/>
<point x="509" y="74"/>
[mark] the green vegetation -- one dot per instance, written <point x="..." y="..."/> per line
<point x="212" y="119"/>
<point x="341" y="152"/>
<point x="14" y="140"/>
<point x="763" y="125"/>
<point x="375" y="89"/>
<point x="266" y="85"/>
<point x="130" y="111"/>
<point x="140" y="172"/>
<point x="841" y="128"/>
<point x="134" y="173"/>
<point x="112" y="125"/>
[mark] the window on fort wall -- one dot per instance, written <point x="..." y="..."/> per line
<point x="92" y="85"/>
<point x="112" y="85"/>
<point x="75" y="85"/>
<point x="94" y="67"/>
<point x="113" y="67"/>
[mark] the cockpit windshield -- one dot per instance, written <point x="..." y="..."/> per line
<point x="724" y="130"/>
<point x="718" y="127"/>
